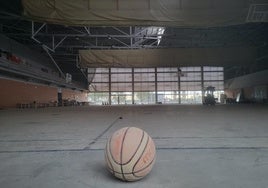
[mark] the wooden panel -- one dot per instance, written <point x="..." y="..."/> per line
<point x="13" y="92"/>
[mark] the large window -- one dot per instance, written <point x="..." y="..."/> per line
<point x="214" y="76"/>
<point x="191" y="97"/>
<point x="143" y="80"/>
<point x="144" y="97"/>
<point x="98" y="98"/>
<point x="121" y="98"/>
<point x="100" y="80"/>
<point x="166" y="85"/>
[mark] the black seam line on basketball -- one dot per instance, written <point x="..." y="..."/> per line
<point x="136" y="150"/>
<point x="134" y="173"/>
<point x="148" y="138"/>
<point x="126" y="173"/>
<point x="102" y="133"/>
<point x="106" y="152"/>
<point x="108" y="158"/>
<point x="121" y="153"/>
<point x="111" y="152"/>
<point x="127" y="179"/>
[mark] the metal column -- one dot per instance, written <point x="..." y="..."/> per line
<point x="156" y="96"/>
<point x="110" y="100"/>
<point x="132" y="85"/>
<point x="202" y="83"/>
<point x="179" y="84"/>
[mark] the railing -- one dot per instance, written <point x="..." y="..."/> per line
<point x="34" y="73"/>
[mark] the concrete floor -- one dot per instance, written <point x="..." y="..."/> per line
<point x="197" y="146"/>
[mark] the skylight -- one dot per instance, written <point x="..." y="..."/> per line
<point x="160" y="32"/>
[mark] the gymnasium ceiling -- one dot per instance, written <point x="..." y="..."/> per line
<point x="207" y="25"/>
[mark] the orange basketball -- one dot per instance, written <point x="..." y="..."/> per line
<point x="130" y="154"/>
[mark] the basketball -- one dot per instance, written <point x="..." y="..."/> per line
<point x="130" y="154"/>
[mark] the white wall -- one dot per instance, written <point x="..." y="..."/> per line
<point x="254" y="86"/>
<point x="250" y="80"/>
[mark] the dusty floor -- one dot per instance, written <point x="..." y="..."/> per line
<point x="197" y="146"/>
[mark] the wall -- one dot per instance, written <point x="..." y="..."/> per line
<point x="250" y="80"/>
<point x="74" y="95"/>
<point x="254" y="86"/>
<point x="13" y="92"/>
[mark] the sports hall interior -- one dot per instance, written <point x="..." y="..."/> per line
<point x="193" y="74"/>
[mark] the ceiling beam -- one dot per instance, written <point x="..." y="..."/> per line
<point x="149" y="36"/>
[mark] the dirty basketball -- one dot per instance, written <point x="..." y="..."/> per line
<point x="130" y="154"/>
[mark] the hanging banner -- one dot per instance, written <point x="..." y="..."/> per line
<point x="178" y="13"/>
<point x="168" y="57"/>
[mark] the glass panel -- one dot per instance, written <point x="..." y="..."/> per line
<point x="120" y="98"/>
<point x="213" y="76"/>
<point x="144" y="86"/>
<point x="102" y="70"/>
<point x="219" y="85"/>
<point x="167" y="69"/>
<point x="191" y="76"/>
<point x="167" y="86"/>
<point x="121" y="86"/>
<point x="101" y="78"/>
<point x="191" y="69"/>
<point x="98" y="98"/>
<point x="191" y="86"/>
<point x="213" y="68"/>
<point x="191" y="97"/>
<point x="145" y="77"/>
<point x="167" y="77"/>
<point x="144" y="70"/>
<point x="95" y="87"/>
<point x="144" y="97"/>
<point x="91" y="74"/>
<point x="121" y="77"/>
<point x="168" y="97"/>
<point x="120" y="70"/>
